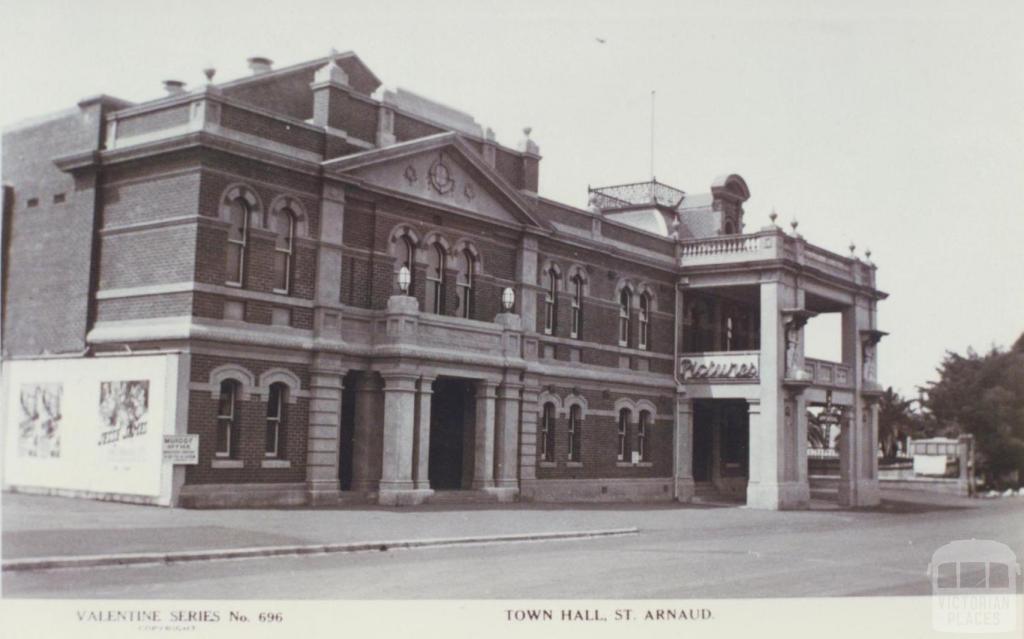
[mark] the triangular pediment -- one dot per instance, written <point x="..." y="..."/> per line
<point x="441" y="169"/>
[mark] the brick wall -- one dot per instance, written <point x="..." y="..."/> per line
<point x="153" y="256"/>
<point x="150" y="306"/>
<point x="250" y="426"/>
<point x="600" y="445"/>
<point x="48" y="245"/>
<point x="270" y="128"/>
<point x="149" y="197"/>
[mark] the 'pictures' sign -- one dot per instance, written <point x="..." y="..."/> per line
<point x="720" y="366"/>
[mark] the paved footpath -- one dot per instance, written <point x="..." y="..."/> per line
<point x="39" y="526"/>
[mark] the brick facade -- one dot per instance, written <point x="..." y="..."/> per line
<point x="119" y="215"/>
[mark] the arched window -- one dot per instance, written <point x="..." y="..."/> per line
<point x="577" y="306"/>
<point x="547" y="433"/>
<point x="435" y="279"/>
<point x="550" y="299"/>
<point x="625" y="307"/>
<point x="275" y="420"/>
<point x="643" y="341"/>
<point x="641" y="435"/>
<point x="623" y="454"/>
<point x="404" y="252"/>
<point x="227" y="426"/>
<point x="283" y="222"/>
<point x="464" y="284"/>
<point x="238" y="235"/>
<point x="575" y="433"/>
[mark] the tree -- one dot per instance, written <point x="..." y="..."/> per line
<point x="984" y="396"/>
<point x="817" y="436"/>
<point x="896" y="421"/>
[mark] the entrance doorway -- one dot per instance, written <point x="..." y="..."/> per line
<point x="451" y="434"/>
<point x="721" y="446"/>
<point x="346" y="436"/>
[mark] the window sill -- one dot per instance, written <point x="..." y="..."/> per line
<point x="227" y="463"/>
<point x="275" y="463"/>
<point x="233" y="284"/>
<point x="574" y="464"/>
<point x="547" y="464"/>
<point x="624" y="464"/>
<point x="279" y="291"/>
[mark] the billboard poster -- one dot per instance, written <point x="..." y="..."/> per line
<point x="39" y="422"/>
<point x="124" y="418"/>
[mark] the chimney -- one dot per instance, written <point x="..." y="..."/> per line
<point x="174" y="87"/>
<point x="260" y="65"/>
<point x="529" y="153"/>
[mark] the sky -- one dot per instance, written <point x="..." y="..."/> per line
<point x="896" y="126"/>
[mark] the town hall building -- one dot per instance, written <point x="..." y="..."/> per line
<point x="298" y="287"/>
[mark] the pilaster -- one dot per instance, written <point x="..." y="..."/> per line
<point x="324" y="429"/>
<point x="683" y="439"/>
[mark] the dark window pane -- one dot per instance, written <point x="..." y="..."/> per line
<point x="947" y="576"/>
<point x="998" y="576"/>
<point x="281" y="270"/>
<point x="972" y="574"/>
<point x="236" y="215"/>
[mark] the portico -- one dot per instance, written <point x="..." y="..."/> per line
<point x="725" y="314"/>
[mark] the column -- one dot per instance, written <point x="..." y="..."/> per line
<point x="423" y="401"/>
<point x="483" y="452"/>
<point x="858" y="476"/>
<point x="324" y="430"/>
<point x="366" y="443"/>
<point x="397" y="487"/>
<point x="507" y="439"/>
<point x="684" y="449"/>
<point x="774" y="481"/>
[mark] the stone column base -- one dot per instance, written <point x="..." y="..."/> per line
<point x="861" y="493"/>
<point x="323" y="493"/>
<point x="482" y="484"/>
<point x="779" y="496"/>
<point x="403" y="497"/>
<point x="684" y="489"/>
<point x="502" y="493"/>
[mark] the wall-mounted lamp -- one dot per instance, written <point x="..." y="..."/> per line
<point x="404" y="279"/>
<point x="508" y="299"/>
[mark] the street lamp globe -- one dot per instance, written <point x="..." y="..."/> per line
<point x="508" y="298"/>
<point x="404" y="279"/>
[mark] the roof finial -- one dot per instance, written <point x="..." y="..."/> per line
<point x="773" y="216"/>
<point x="209" y="72"/>
<point x="794" y="224"/>
<point x="853" y="249"/>
<point x="867" y="254"/>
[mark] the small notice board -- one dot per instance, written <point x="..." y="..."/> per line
<point x="181" y="449"/>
